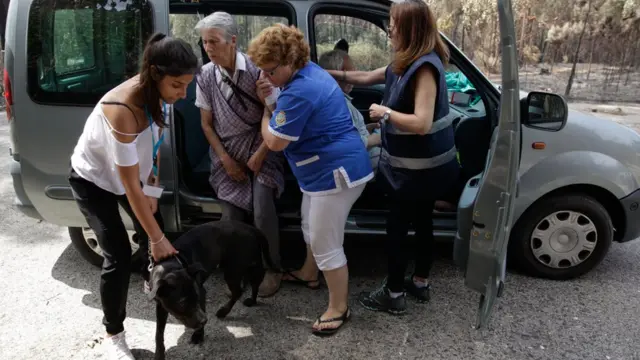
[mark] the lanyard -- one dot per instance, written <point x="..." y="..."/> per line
<point x="156" y="145"/>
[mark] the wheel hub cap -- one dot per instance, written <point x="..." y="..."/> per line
<point x="92" y="240"/>
<point x="564" y="239"/>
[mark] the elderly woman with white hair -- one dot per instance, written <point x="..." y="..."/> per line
<point x="245" y="175"/>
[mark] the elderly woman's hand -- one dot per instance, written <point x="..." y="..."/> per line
<point x="376" y="112"/>
<point x="233" y="168"/>
<point x="372" y="126"/>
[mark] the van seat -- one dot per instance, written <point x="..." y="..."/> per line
<point x="193" y="147"/>
<point x="472" y="136"/>
<point x="194" y="142"/>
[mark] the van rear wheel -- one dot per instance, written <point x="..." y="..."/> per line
<point x="561" y="237"/>
<point x="85" y="241"/>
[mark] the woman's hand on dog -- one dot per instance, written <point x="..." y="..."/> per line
<point x="162" y="250"/>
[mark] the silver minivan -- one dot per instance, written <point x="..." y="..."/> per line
<point x="552" y="187"/>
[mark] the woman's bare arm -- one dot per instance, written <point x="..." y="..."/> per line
<point x="206" y="121"/>
<point x="362" y="78"/>
<point x="124" y="122"/>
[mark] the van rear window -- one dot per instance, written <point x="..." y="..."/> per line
<point x="78" y="50"/>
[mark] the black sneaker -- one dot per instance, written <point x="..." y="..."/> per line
<point x="380" y="300"/>
<point x="422" y="294"/>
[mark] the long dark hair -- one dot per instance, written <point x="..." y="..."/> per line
<point x="417" y="32"/>
<point x="163" y="55"/>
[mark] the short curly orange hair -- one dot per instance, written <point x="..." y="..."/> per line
<point x="281" y="44"/>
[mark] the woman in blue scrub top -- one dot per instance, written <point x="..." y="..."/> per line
<point x="312" y="125"/>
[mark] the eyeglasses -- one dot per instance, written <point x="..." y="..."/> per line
<point x="272" y="72"/>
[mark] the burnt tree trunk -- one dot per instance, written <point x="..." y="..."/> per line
<point x="567" y="91"/>
<point x="593" y="42"/>
<point x="462" y="42"/>
<point x="522" y="34"/>
<point x="622" y="67"/>
<point x="454" y="35"/>
<point x="496" y="44"/>
<point x="632" y="64"/>
<point x="543" y="50"/>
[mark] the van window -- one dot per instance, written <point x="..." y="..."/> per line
<point x="249" y="26"/>
<point x="78" y="50"/>
<point x="368" y="44"/>
<point x="73" y="40"/>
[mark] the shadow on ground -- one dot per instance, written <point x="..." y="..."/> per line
<point x="534" y="319"/>
<point x="249" y="330"/>
<point x="367" y="260"/>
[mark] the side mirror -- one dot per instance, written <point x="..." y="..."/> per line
<point x="544" y="111"/>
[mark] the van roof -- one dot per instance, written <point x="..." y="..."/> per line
<point x="381" y="2"/>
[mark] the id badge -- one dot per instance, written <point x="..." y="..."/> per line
<point x="153" y="191"/>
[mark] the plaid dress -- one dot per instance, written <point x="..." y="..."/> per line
<point x="237" y="123"/>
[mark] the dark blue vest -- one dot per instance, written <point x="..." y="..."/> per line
<point x="407" y="159"/>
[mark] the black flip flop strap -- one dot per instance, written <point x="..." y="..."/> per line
<point x="342" y="318"/>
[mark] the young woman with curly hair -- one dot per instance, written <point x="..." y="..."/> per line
<point x="312" y="125"/>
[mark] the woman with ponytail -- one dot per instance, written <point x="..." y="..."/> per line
<point x="115" y="162"/>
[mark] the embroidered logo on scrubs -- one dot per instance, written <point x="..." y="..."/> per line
<point x="281" y="118"/>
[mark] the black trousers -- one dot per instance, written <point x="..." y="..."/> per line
<point x="411" y="202"/>
<point x="100" y="209"/>
<point x="405" y="210"/>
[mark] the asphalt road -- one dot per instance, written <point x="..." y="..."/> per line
<point x="50" y="309"/>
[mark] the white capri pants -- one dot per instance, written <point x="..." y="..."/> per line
<point x="323" y="221"/>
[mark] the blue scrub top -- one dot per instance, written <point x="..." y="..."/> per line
<point x="311" y="112"/>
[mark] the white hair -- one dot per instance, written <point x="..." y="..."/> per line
<point x="219" y="20"/>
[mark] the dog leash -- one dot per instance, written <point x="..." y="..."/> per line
<point x="151" y="262"/>
<point x="150" y="267"/>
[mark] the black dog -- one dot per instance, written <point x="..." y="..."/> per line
<point x="177" y="283"/>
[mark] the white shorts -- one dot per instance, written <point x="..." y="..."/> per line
<point x="323" y="221"/>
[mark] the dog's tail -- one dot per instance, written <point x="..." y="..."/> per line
<point x="264" y="247"/>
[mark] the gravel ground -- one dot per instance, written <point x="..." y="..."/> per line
<point x="50" y="309"/>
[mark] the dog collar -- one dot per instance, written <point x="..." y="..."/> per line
<point x="153" y="263"/>
<point x="180" y="261"/>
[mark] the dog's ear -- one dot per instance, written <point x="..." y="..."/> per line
<point x="196" y="271"/>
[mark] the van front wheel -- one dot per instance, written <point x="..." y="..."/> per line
<point x="85" y="241"/>
<point x="561" y="237"/>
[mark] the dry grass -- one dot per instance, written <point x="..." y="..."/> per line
<point x="604" y="83"/>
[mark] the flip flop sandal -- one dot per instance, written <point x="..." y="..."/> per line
<point x="306" y="283"/>
<point x="331" y="331"/>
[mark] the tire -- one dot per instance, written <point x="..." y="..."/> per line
<point x="577" y="243"/>
<point x="84" y="240"/>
